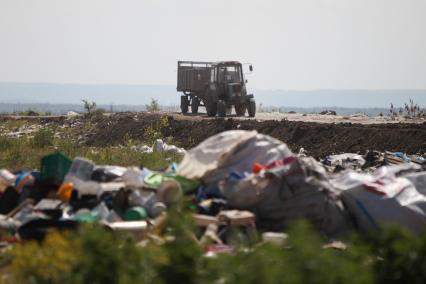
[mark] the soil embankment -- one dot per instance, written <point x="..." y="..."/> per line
<point x="319" y="139"/>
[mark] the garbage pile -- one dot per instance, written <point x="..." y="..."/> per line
<point x="370" y="161"/>
<point x="236" y="178"/>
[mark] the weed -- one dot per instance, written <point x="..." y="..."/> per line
<point x="155" y="130"/>
<point x="20" y="153"/>
<point x="5" y="143"/>
<point x="89" y="106"/>
<point x="411" y="110"/>
<point x="153" y="106"/>
<point x="43" y="138"/>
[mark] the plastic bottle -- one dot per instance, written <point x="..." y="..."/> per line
<point x="149" y="201"/>
<point x="65" y="191"/>
<point x="133" y="177"/>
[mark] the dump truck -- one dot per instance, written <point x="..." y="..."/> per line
<point x="218" y="86"/>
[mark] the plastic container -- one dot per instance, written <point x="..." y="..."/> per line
<point x="95" y="188"/>
<point x="137" y="228"/>
<point x="107" y="173"/>
<point x="6" y="179"/>
<point x="87" y="187"/>
<point x="101" y="211"/>
<point x="135" y="214"/>
<point x="278" y="239"/>
<point x="86" y="216"/>
<point x="147" y="200"/>
<point x="133" y="177"/>
<point x="22" y="180"/>
<point x="65" y="191"/>
<point x="81" y="169"/>
<point x="55" y="167"/>
<point x="170" y="192"/>
<point x="156" y="209"/>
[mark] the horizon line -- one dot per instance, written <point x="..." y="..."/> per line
<point x="168" y="85"/>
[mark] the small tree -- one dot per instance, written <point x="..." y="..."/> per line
<point x="89" y="106"/>
<point x="153" y="106"/>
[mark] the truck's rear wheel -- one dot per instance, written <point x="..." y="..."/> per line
<point x="211" y="105"/>
<point x="184" y="104"/>
<point x="221" y="108"/>
<point x="251" y="108"/>
<point x="211" y="110"/>
<point x="194" y="105"/>
<point x="240" y="109"/>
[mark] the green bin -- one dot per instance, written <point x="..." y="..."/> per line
<point x="55" y="166"/>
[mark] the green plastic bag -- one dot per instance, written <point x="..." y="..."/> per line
<point x="154" y="180"/>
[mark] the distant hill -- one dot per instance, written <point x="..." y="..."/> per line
<point x="167" y="95"/>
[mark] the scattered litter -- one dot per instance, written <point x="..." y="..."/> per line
<point x="72" y="114"/>
<point x="328" y="112"/>
<point x="160" y="146"/>
<point x="359" y="115"/>
<point x="235" y="180"/>
<point x="344" y="161"/>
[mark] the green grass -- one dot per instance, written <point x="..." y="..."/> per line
<point x="11" y="124"/>
<point x="26" y="153"/>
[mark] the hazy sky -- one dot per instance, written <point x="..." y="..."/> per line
<point x="293" y="44"/>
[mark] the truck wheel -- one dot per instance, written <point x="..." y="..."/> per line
<point x="194" y="105"/>
<point x="184" y="104"/>
<point x="251" y="108"/>
<point x="240" y="109"/>
<point x="211" y="105"/>
<point x="211" y="110"/>
<point x="221" y="108"/>
<point x="228" y="109"/>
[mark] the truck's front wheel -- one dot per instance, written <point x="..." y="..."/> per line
<point x="240" y="109"/>
<point x="251" y="108"/>
<point x="221" y="108"/>
<point x="184" y="103"/>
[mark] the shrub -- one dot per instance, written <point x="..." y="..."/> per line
<point x="94" y="255"/>
<point x="49" y="263"/>
<point x="153" y="106"/>
<point x="302" y="260"/>
<point x="402" y="256"/>
<point x="89" y="106"/>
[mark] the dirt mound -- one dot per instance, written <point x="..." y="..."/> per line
<point x="319" y="139"/>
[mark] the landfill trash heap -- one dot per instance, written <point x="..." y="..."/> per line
<point x="237" y="178"/>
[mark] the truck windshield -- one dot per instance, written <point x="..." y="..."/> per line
<point x="230" y="74"/>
